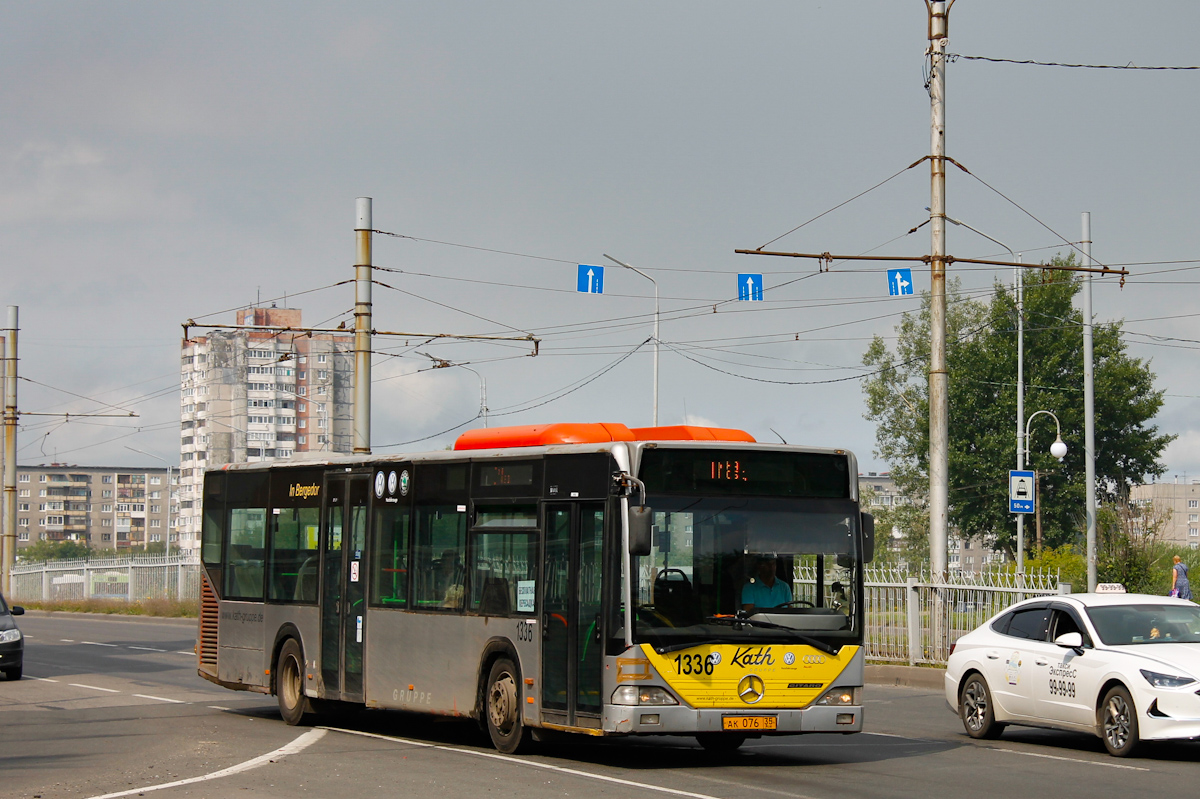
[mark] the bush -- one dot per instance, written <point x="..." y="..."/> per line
<point x="164" y="608"/>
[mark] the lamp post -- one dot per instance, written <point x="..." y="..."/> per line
<point x="1059" y="450"/>
<point x="170" y="497"/>
<point x="1018" y="296"/>
<point x="655" y="282"/>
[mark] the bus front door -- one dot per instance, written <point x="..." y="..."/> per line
<point x="572" y="648"/>
<point x="343" y="586"/>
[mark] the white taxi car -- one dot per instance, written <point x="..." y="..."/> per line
<point x="1125" y="667"/>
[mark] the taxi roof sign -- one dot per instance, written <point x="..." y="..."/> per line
<point x="1110" y="588"/>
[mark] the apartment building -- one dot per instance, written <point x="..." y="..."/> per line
<point x="108" y="506"/>
<point x="1178" y="505"/>
<point x="257" y="395"/>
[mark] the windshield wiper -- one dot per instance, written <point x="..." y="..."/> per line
<point x="737" y="622"/>
<point x="662" y="650"/>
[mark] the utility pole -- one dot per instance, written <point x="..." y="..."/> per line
<point x="939" y="427"/>
<point x="362" y="328"/>
<point x="8" y="538"/>
<point x="1089" y="405"/>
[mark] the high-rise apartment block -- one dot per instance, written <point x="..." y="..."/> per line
<point x="255" y="395"/>
<point x="109" y="507"/>
<point x="1176" y="510"/>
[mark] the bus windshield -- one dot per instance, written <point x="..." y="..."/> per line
<point x="789" y="565"/>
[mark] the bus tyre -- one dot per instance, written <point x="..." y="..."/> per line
<point x="976" y="710"/>
<point x="721" y="742"/>
<point x="1118" y="722"/>
<point x="289" y="683"/>
<point x="503" y="709"/>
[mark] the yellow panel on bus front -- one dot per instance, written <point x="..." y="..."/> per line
<point x="791" y="675"/>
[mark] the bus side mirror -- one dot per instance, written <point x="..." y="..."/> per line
<point x="641" y="525"/>
<point x="868" y="536"/>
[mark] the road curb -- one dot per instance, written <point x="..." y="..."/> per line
<point x="907" y="676"/>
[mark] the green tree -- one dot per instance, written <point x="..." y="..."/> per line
<point x="981" y="356"/>
<point x="56" y="550"/>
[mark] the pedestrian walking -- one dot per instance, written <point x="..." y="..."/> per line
<point x="1179" y="580"/>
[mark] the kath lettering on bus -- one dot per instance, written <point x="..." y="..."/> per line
<point x="303" y="491"/>
<point x="753" y="656"/>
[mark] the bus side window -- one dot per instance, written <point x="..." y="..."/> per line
<point x="438" y="557"/>
<point x="244" y="571"/>
<point x="389" y="578"/>
<point x="502" y="563"/>
<point x="294" y="555"/>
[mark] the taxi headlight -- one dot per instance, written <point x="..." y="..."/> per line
<point x="8" y="636"/>
<point x="841" y="697"/>
<point x="1165" y="680"/>
<point x="645" y="695"/>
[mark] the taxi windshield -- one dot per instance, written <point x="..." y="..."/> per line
<point x="1121" y="625"/>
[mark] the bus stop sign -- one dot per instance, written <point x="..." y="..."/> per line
<point x="1020" y="492"/>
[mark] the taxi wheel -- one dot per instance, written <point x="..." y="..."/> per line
<point x="976" y="709"/>
<point x="1118" y="722"/>
<point x="13" y="673"/>
<point x="721" y="742"/>
<point x="503" y="709"/>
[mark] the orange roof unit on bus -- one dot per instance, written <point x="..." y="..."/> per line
<point x="546" y="435"/>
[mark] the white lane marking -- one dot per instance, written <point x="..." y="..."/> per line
<point x="162" y="699"/>
<point x="43" y="679"/>
<point x="184" y="652"/>
<point x="93" y="687"/>
<point x="147" y="649"/>
<point x="96" y="643"/>
<point x="216" y="707"/>
<point x="522" y="762"/>
<point x="1067" y="759"/>
<point x="67" y="640"/>
<point x="303" y="742"/>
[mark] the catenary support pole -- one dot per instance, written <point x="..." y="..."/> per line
<point x="1089" y="405"/>
<point x="362" y="327"/>
<point x="939" y="428"/>
<point x="8" y="538"/>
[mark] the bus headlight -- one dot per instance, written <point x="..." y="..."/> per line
<point x="645" y="695"/>
<point x="8" y="636"/>
<point x="841" y="697"/>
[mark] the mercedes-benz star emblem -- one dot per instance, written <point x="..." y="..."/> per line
<point x="750" y="689"/>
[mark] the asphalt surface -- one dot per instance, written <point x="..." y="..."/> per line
<point x="114" y="706"/>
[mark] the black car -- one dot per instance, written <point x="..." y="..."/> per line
<point x="12" y="643"/>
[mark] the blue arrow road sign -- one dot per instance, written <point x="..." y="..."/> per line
<point x="900" y="282"/>
<point x="591" y="279"/>
<point x="750" y="287"/>
<point x="1020" y="492"/>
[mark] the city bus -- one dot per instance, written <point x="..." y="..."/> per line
<point x="592" y="579"/>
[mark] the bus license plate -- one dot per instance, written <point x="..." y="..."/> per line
<point x="749" y="722"/>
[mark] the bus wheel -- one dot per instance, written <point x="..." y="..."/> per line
<point x="289" y="683"/>
<point x="503" y="708"/>
<point x="721" y="742"/>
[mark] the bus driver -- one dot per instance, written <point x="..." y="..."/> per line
<point x="765" y="590"/>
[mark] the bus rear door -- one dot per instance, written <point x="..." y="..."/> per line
<point x="343" y="585"/>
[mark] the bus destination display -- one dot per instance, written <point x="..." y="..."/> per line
<point x="745" y="473"/>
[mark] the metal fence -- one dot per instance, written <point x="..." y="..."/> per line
<point x="913" y="619"/>
<point x="910" y="618"/>
<point x="133" y="579"/>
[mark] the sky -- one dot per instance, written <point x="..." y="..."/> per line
<point x="165" y="162"/>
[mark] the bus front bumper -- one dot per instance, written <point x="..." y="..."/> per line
<point x="681" y="720"/>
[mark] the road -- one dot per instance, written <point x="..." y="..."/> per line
<point x="114" y="706"/>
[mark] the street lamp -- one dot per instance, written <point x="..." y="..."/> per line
<point x="655" y="282"/>
<point x="170" y="497"/>
<point x="1018" y="296"/>
<point x="1059" y="450"/>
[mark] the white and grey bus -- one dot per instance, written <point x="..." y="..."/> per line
<point x="581" y="578"/>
